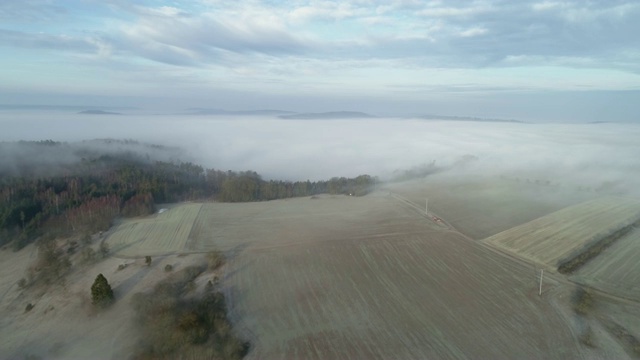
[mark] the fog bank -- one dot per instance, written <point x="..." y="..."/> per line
<point x="585" y="154"/>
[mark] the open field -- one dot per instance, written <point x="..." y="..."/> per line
<point x="616" y="269"/>
<point x="297" y="222"/>
<point x="402" y="297"/>
<point x="483" y="207"/>
<point x="372" y="277"/>
<point x="334" y="277"/>
<point x="163" y="233"/>
<point x="367" y="278"/>
<point x="558" y="236"/>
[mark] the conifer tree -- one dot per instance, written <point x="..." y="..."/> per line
<point x="101" y="292"/>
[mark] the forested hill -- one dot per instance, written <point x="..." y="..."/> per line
<point x="84" y="193"/>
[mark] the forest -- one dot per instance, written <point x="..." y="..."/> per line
<point x="85" y="194"/>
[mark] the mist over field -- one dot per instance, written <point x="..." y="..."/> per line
<point x="586" y="155"/>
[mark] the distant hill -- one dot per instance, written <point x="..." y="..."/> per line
<point x="328" y="115"/>
<point x="464" y="118"/>
<point x="98" y="112"/>
<point x="265" y="112"/>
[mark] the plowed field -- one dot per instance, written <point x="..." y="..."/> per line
<point x="370" y="278"/>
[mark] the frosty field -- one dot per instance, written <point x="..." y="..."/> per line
<point x="562" y="234"/>
<point x="366" y="278"/>
<point x="616" y="269"/>
<point x="372" y="277"/>
<point x="486" y="206"/>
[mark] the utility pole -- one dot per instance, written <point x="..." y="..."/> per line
<point x="540" y="291"/>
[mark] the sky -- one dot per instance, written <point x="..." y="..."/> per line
<point x="546" y="61"/>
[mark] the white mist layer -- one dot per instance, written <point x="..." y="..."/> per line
<point x="587" y="154"/>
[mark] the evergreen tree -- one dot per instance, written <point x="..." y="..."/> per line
<point x="101" y="292"/>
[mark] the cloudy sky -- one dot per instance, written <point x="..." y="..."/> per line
<point x="528" y="60"/>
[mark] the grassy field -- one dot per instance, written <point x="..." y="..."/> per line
<point x="617" y="269"/>
<point x="164" y="233"/>
<point x="564" y="233"/>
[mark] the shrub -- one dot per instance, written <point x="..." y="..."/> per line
<point x="85" y="239"/>
<point x="582" y="301"/>
<point x="174" y="324"/>
<point x="104" y="250"/>
<point x="122" y="266"/>
<point x="29" y="307"/>
<point x="88" y="255"/>
<point x="147" y="260"/>
<point x="168" y="267"/>
<point x="22" y="283"/>
<point x="52" y="264"/>
<point x="101" y="292"/>
<point x="215" y="259"/>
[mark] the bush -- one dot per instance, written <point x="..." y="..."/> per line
<point x="88" y="255"/>
<point x="22" y="283"/>
<point x="52" y="263"/>
<point x="215" y="259"/>
<point x="104" y="250"/>
<point x="122" y="266"/>
<point x="168" y="267"/>
<point x="147" y="260"/>
<point x="29" y="307"/>
<point x="101" y="292"/>
<point x="85" y="239"/>
<point x="582" y="301"/>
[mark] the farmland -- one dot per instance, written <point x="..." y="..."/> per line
<point x="617" y="269"/>
<point x="483" y="207"/>
<point x="372" y="277"/>
<point x="365" y="278"/>
<point x="164" y="233"/>
<point x="564" y="233"/>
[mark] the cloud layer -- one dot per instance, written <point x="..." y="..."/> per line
<point x="404" y="51"/>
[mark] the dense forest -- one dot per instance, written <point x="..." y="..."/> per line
<point x="92" y="186"/>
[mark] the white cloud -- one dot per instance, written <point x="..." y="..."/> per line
<point x="547" y="5"/>
<point x="475" y="31"/>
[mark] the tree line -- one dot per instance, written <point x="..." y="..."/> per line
<point x="90" y="194"/>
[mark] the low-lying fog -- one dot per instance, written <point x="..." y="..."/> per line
<point x="587" y="154"/>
